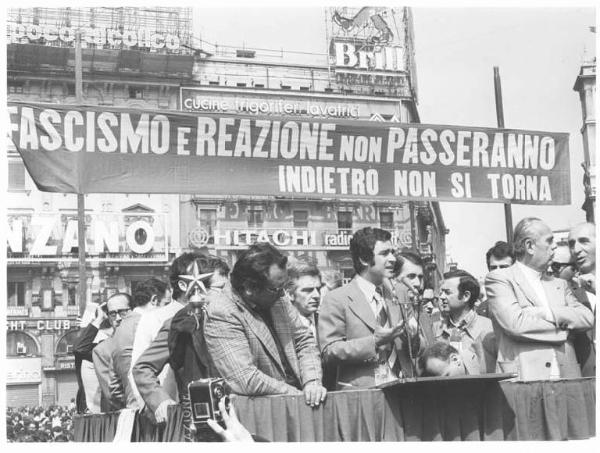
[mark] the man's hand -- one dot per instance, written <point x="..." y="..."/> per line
<point x="314" y="393"/>
<point x="235" y="431"/>
<point x="587" y="282"/>
<point x="100" y="315"/>
<point x="385" y="335"/>
<point x="161" y="411"/>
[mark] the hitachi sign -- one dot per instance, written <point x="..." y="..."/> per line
<point x="379" y="58"/>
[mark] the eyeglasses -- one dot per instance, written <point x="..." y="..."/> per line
<point x="557" y="267"/>
<point x="121" y="313"/>
<point x="493" y="267"/>
<point x="275" y="291"/>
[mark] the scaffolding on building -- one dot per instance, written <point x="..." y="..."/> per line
<point x="175" y="21"/>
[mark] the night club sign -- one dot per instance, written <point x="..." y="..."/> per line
<point x="108" y="150"/>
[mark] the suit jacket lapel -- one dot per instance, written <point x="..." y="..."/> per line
<point x="262" y="332"/>
<point x="360" y="305"/>
<point x="526" y="288"/>
<point x="282" y="328"/>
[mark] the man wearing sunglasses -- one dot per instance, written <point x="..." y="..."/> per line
<point x="118" y="307"/>
<point x="256" y="338"/>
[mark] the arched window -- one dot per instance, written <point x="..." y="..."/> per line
<point x="20" y="344"/>
<point x="65" y="344"/>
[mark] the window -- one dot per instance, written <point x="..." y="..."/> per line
<point x="300" y="219"/>
<point x="255" y="217"/>
<point x="15" y="87"/>
<point x="259" y="85"/>
<point x="240" y="84"/>
<point x="213" y="82"/>
<point x="19" y="344"/>
<point x="72" y="296"/>
<point x="386" y="220"/>
<point x="47" y="296"/>
<point x="208" y="220"/>
<point x="65" y="344"/>
<point x="136" y="93"/>
<point x="16" y="176"/>
<point x="16" y="294"/>
<point x="344" y="220"/>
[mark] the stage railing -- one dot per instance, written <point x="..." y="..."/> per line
<point x="457" y="410"/>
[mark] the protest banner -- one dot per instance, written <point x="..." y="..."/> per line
<point x="101" y="149"/>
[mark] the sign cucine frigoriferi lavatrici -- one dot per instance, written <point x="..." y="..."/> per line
<point x="87" y="149"/>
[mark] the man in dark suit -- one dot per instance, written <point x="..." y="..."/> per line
<point x="146" y="297"/>
<point x="118" y="306"/>
<point x="361" y="331"/>
<point x="256" y="338"/>
<point x="582" y="247"/>
<point x="533" y="313"/>
<point x="192" y="278"/>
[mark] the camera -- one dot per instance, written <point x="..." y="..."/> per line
<point x="205" y="395"/>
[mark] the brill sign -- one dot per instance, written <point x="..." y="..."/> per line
<point x="378" y="58"/>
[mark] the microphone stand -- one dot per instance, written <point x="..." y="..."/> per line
<point x="413" y="363"/>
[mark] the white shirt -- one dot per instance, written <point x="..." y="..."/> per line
<point x="370" y="292"/>
<point x="534" y="278"/>
<point x="147" y="329"/>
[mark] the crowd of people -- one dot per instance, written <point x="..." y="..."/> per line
<point x="38" y="424"/>
<point x="273" y="325"/>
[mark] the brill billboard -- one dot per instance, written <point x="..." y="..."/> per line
<point x="88" y="149"/>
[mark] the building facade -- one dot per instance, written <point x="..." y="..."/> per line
<point x="585" y="85"/>
<point x="129" y="237"/>
<point x="367" y="73"/>
<point x="147" y="59"/>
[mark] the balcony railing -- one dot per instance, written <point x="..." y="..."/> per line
<point x="72" y="310"/>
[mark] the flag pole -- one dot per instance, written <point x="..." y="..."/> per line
<point x="82" y="287"/>
<point x="500" y="118"/>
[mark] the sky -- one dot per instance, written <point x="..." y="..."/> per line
<point x="538" y="50"/>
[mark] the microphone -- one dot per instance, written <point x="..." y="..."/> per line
<point x="412" y="291"/>
<point x="391" y="287"/>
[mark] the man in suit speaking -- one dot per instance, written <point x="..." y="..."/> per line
<point x="533" y="313"/>
<point x="361" y="330"/>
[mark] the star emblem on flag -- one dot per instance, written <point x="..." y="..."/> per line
<point x="194" y="279"/>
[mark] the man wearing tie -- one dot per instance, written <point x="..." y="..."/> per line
<point x="361" y="331"/>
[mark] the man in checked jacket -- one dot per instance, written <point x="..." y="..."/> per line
<point x="256" y="338"/>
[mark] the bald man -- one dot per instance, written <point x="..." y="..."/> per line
<point x="534" y="313"/>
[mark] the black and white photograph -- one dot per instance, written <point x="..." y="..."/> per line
<point x="303" y="222"/>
